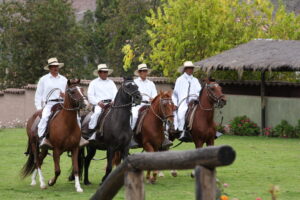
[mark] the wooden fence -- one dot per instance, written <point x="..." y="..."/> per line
<point x="130" y="172"/>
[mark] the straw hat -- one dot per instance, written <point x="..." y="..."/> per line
<point x="142" y="66"/>
<point x="188" y="64"/>
<point x="103" y="67"/>
<point x="53" y="62"/>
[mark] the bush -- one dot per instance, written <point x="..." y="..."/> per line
<point x="284" y="129"/>
<point x="242" y="125"/>
<point x="297" y="129"/>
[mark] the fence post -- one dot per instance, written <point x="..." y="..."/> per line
<point x="134" y="185"/>
<point x="205" y="183"/>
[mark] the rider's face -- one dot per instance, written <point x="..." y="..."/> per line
<point x="54" y="69"/>
<point x="103" y="74"/>
<point x="189" y="70"/>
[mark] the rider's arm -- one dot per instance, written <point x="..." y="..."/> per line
<point x="91" y="94"/>
<point x="38" y="98"/>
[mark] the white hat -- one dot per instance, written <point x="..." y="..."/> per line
<point x="103" y="67"/>
<point x="53" y="62"/>
<point x="142" y="66"/>
<point x="187" y="64"/>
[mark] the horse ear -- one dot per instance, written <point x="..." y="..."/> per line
<point x="69" y="82"/>
<point x="78" y="81"/>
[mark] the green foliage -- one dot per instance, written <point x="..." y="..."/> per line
<point x="242" y="125"/>
<point x="193" y="30"/>
<point x="34" y="31"/>
<point x="284" y="129"/>
<point x="128" y="56"/>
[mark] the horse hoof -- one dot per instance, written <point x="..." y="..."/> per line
<point x="33" y="183"/>
<point x="153" y="181"/>
<point x="43" y="186"/>
<point x="87" y="183"/>
<point x="192" y="175"/>
<point x="79" y="190"/>
<point x="174" y="174"/>
<point x="161" y="174"/>
<point x="50" y="183"/>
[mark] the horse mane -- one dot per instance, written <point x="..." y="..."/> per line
<point x="161" y="94"/>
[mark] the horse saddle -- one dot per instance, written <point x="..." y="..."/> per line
<point x="190" y="114"/>
<point x="139" y="122"/>
<point x="54" y="111"/>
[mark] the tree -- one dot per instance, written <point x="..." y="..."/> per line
<point x="193" y="30"/>
<point x="34" y="31"/>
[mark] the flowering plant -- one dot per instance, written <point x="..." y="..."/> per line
<point x="242" y="125"/>
<point x="284" y="129"/>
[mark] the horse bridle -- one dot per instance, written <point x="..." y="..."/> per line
<point x="130" y="93"/>
<point x="215" y="99"/>
<point x="77" y="101"/>
<point x="161" y="102"/>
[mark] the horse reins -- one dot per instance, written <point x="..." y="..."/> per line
<point x="82" y="97"/>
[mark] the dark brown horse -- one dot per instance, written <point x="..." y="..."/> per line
<point x="64" y="135"/>
<point x="159" y="114"/>
<point x="203" y="127"/>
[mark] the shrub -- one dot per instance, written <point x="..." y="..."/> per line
<point x="268" y="131"/>
<point x="242" y="125"/>
<point x="284" y="129"/>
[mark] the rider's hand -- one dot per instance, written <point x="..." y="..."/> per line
<point x="101" y="104"/>
<point x="62" y="94"/>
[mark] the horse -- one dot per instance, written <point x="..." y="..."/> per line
<point x="64" y="135"/>
<point x="150" y="128"/>
<point x="115" y="134"/>
<point x="203" y="128"/>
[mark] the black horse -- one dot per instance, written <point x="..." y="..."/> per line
<point x="116" y="130"/>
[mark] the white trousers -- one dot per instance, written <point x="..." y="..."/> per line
<point x="94" y="117"/>
<point x="179" y="117"/>
<point x="135" y="114"/>
<point x="45" y="117"/>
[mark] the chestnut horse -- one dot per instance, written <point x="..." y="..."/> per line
<point x="64" y="135"/>
<point x="203" y="127"/>
<point x="158" y="116"/>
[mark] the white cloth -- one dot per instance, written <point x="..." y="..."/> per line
<point x="145" y="87"/>
<point x="99" y="90"/>
<point x="44" y="86"/>
<point x="180" y="93"/>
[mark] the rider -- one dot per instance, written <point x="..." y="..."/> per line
<point x="186" y="89"/>
<point x="101" y="92"/>
<point x="148" y="92"/>
<point x="50" y="90"/>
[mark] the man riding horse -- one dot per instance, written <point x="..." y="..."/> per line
<point x="101" y="92"/>
<point x="186" y="88"/>
<point x="50" y="91"/>
<point x="148" y="91"/>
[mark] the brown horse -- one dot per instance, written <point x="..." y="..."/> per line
<point x="203" y="127"/>
<point x="159" y="114"/>
<point x="64" y="135"/>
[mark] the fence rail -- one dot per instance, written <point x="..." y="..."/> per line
<point x="130" y="172"/>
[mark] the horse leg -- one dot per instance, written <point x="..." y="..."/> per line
<point x="149" y="148"/>
<point x="56" y="159"/>
<point x="87" y="161"/>
<point x="110" y="154"/>
<point x="76" y="169"/>
<point x="174" y="173"/>
<point x="40" y="159"/>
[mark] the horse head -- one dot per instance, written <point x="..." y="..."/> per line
<point x="75" y="94"/>
<point x="166" y="107"/>
<point x="131" y="89"/>
<point x="214" y="92"/>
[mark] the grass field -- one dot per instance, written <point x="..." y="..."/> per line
<point x="260" y="163"/>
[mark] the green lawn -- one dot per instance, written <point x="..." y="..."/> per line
<point x="260" y="163"/>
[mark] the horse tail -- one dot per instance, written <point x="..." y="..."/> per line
<point x="29" y="166"/>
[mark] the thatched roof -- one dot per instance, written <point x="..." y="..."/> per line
<point x="259" y="54"/>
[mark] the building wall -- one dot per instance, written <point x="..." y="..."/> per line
<point x="277" y="109"/>
<point x="19" y="107"/>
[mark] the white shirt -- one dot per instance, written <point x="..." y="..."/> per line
<point x="146" y="87"/>
<point x="181" y="88"/>
<point x="45" y="85"/>
<point x="101" y="90"/>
